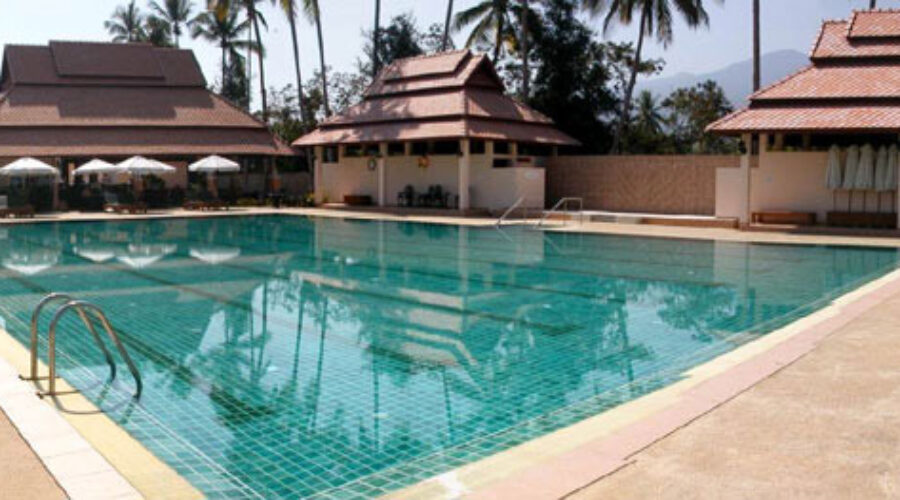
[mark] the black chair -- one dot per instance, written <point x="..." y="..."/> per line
<point x="406" y="197"/>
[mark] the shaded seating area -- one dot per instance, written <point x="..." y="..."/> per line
<point x="435" y="197"/>
<point x="21" y="211"/>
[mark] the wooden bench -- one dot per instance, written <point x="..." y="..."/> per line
<point x="785" y="217"/>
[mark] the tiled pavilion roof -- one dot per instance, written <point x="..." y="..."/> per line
<point x="449" y="95"/>
<point x="852" y="84"/>
<point x="104" y="99"/>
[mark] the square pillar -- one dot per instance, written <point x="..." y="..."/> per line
<point x="746" y="175"/>
<point x="382" y="174"/>
<point x="318" y="186"/>
<point x="465" y="164"/>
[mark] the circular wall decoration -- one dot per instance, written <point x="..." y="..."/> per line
<point x="424" y="162"/>
<point x="373" y="163"/>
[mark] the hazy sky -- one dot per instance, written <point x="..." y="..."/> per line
<point x="786" y="24"/>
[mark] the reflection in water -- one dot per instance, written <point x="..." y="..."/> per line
<point x="290" y="356"/>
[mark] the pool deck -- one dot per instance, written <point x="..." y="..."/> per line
<point x="808" y="411"/>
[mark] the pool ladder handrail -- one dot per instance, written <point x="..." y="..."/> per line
<point x="82" y="308"/>
<point x="562" y="206"/>
<point x="512" y="209"/>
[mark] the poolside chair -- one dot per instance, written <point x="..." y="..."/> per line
<point x="112" y="204"/>
<point x="22" y="211"/>
<point x="407" y="197"/>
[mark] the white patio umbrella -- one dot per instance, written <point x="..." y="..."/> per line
<point x="212" y="165"/>
<point x="138" y="165"/>
<point x="215" y="255"/>
<point x="850" y="173"/>
<point x="833" y="173"/>
<point x="141" y="256"/>
<point x="31" y="263"/>
<point x="865" y="174"/>
<point x="29" y="167"/>
<point x="97" y="166"/>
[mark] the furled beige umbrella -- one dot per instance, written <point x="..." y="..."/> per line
<point x="852" y="165"/>
<point x="833" y="175"/>
<point x="865" y="174"/>
<point x="881" y="170"/>
<point x="891" y="176"/>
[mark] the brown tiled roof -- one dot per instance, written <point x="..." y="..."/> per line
<point x="444" y="96"/>
<point x="874" y="24"/>
<point x="80" y="98"/>
<point x="852" y="85"/>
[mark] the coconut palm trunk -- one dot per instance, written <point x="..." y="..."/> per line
<point x="526" y="71"/>
<point x="757" y="74"/>
<point x="632" y="81"/>
<point x="376" y="40"/>
<point x="292" y="22"/>
<point x="446" y="41"/>
<point x="498" y="41"/>
<point x="254" y="17"/>
<point x="322" y="66"/>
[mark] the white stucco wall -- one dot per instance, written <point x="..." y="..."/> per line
<point x="490" y="188"/>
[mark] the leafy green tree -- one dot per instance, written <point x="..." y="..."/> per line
<point x="691" y="111"/>
<point x="572" y="83"/>
<point x="286" y="119"/>
<point x="221" y="8"/>
<point x="235" y="86"/>
<point x="655" y="18"/>
<point x="126" y="23"/>
<point x="647" y="132"/>
<point x="177" y="14"/>
<point x="157" y="31"/>
<point x="401" y="38"/>
<point x="432" y="40"/>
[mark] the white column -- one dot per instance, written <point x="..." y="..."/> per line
<point x="747" y="176"/>
<point x="382" y="174"/>
<point x="465" y="163"/>
<point x="318" y="186"/>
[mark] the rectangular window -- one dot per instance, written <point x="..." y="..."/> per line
<point x="419" y="148"/>
<point x="502" y="163"/>
<point x="396" y="149"/>
<point x="501" y="148"/>
<point x="445" y="148"/>
<point x="353" y="150"/>
<point x="535" y="149"/>
<point x="477" y="147"/>
<point x="330" y="154"/>
<point x="372" y="149"/>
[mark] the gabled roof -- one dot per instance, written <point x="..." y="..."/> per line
<point x="86" y="98"/>
<point x="443" y="96"/>
<point x="851" y="85"/>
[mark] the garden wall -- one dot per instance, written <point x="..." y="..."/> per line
<point x="665" y="184"/>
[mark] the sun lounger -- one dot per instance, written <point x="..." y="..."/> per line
<point x="206" y="205"/>
<point x="6" y="211"/>
<point x="113" y="205"/>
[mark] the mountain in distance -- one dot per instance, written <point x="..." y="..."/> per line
<point x="736" y="79"/>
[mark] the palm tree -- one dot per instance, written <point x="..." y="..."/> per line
<point x="157" y="31"/>
<point x="376" y="39"/>
<point x="524" y="11"/>
<point x="872" y="4"/>
<point x="221" y="8"/>
<point x="649" y="118"/>
<point x="446" y="41"/>
<point x="290" y="10"/>
<point x="314" y="15"/>
<point x="655" y="19"/>
<point x="492" y="24"/>
<point x="757" y="74"/>
<point x="225" y="30"/>
<point x="126" y="24"/>
<point x="176" y="13"/>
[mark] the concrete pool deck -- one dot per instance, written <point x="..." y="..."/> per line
<point x="817" y="423"/>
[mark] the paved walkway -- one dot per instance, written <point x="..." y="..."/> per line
<point x="23" y="475"/>
<point x="826" y="426"/>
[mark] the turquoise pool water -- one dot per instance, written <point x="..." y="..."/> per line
<point x="286" y="356"/>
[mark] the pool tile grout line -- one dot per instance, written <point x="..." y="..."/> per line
<point x="591" y="449"/>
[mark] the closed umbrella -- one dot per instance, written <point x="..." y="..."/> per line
<point x="833" y="175"/>
<point x="890" y="177"/>
<point x="881" y="168"/>
<point x="865" y="174"/>
<point x="212" y="165"/>
<point x="850" y="173"/>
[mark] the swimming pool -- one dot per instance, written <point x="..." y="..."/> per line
<point x="285" y="356"/>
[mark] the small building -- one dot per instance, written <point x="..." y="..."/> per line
<point x="438" y="120"/>
<point x="69" y="102"/>
<point x="848" y="95"/>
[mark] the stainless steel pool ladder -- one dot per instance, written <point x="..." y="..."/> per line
<point x="85" y="310"/>
<point x="562" y="207"/>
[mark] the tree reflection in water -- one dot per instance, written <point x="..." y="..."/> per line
<point x="323" y="351"/>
